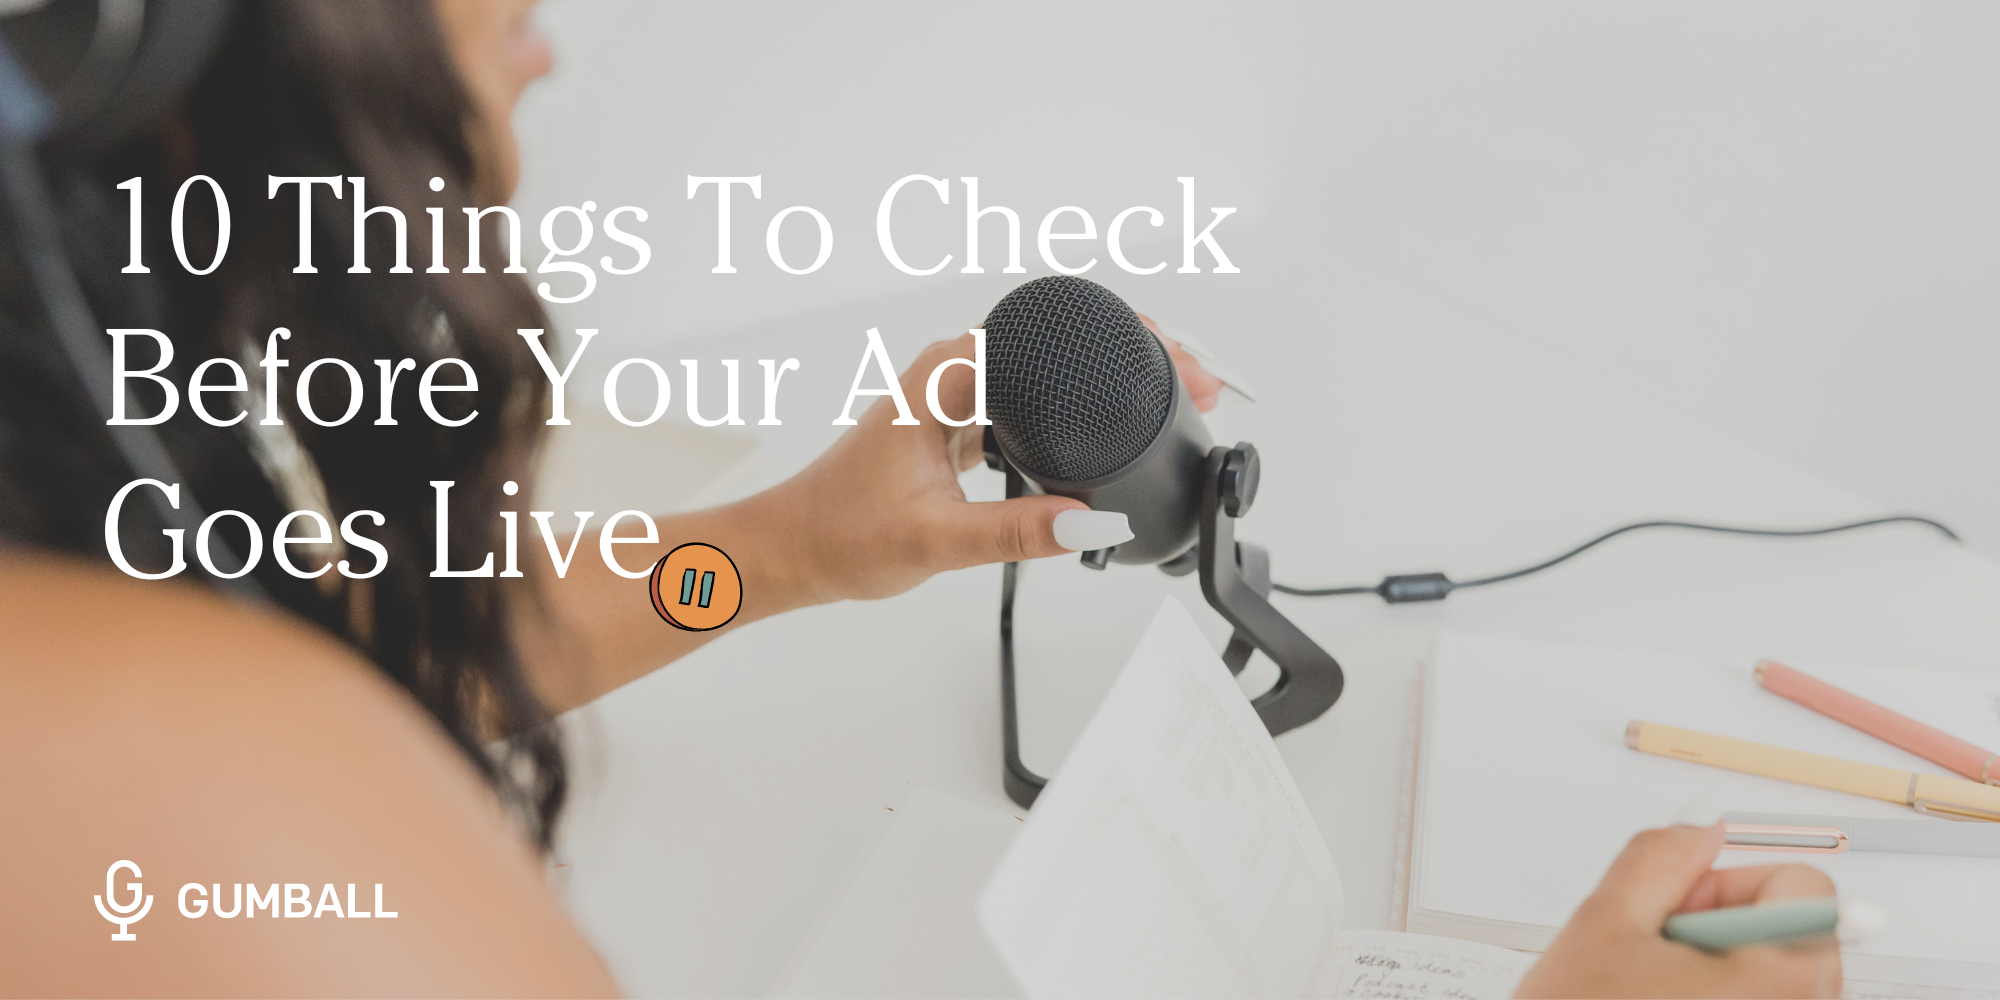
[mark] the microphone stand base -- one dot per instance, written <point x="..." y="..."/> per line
<point x="1239" y="587"/>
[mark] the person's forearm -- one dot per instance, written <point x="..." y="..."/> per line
<point x="595" y="630"/>
<point x="878" y="513"/>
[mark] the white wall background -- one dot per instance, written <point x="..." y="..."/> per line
<point x="1780" y="219"/>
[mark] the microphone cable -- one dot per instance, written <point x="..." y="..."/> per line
<point x="1411" y="587"/>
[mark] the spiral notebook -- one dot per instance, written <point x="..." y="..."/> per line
<point x="1525" y="791"/>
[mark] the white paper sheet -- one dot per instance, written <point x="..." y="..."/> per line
<point x="1171" y="854"/>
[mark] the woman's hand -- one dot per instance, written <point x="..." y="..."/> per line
<point x="877" y="514"/>
<point x="881" y="511"/>
<point x="1203" y="388"/>
<point x="1613" y="947"/>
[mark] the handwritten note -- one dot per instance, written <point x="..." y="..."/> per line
<point x="1412" y="966"/>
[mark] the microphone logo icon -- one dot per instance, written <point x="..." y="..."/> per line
<point x="123" y="914"/>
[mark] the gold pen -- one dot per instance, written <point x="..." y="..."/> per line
<point x="1931" y="794"/>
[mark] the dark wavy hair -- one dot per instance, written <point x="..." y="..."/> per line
<point x="309" y="88"/>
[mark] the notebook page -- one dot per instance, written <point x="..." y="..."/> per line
<point x="1398" y="966"/>
<point x="1171" y="854"/>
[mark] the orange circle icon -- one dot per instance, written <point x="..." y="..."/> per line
<point x="696" y="587"/>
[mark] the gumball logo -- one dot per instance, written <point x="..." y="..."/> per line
<point x="696" y="587"/>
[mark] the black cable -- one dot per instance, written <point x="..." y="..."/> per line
<point x="1435" y="586"/>
<point x="1324" y="591"/>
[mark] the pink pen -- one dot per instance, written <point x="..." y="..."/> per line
<point x="1937" y="747"/>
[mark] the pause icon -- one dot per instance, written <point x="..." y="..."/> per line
<point x="707" y="586"/>
<point x="696" y="587"/>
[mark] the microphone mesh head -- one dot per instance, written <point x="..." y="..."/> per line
<point x="1076" y="386"/>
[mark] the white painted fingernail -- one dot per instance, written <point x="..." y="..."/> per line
<point x="1187" y="341"/>
<point x="1083" y="530"/>
<point x="1201" y="353"/>
<point x="1702" y="810"/>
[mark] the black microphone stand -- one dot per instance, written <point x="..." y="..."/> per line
<point x="1309" y="680"/>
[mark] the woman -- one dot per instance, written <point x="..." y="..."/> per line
<point x="340" y="736"/>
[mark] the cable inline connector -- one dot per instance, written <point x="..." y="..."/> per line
<point x="1410" y="588"/>
<point x="1415" y="587"/>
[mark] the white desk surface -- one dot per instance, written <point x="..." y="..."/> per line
<point x="718" y="802"/>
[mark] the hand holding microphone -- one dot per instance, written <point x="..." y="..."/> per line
<point x="1104" y="449"/>
<point x="881" y="511"/>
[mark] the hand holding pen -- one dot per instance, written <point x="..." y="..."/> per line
<point x="1614" y="944"/>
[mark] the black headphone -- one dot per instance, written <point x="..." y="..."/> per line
<point x="77" y="77"/>
<point x="107" y="69"/>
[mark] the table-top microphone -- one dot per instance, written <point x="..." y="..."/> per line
<point x="1085" y="403"/>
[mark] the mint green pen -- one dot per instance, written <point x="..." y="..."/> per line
<point x="1773" y="923"/>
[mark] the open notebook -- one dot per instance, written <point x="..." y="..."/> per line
<point x="1171" y="855"/>
<point x="1526" y="790"/>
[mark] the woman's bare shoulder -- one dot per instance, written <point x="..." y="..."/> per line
<point x="60" y="611"/>
<point x="216" y="745"/>
<point x="93" y="658"/>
